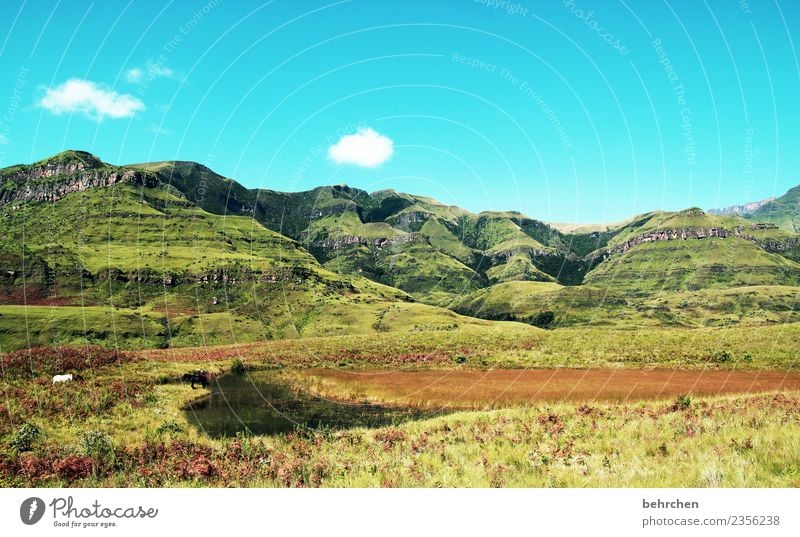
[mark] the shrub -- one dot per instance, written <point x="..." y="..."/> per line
<point x="460" y="359"/>
<point x="24" y="437"/>
<point x="543" y="319"/>
<point x="73" y="467"/>
<point x="169" y="428"/>
<point x="389" y="437"/>
<point x="97" y="445"/>
<point x="723" y="356"/>
<point x="238" y="367"/>
<point x="683" y="402"/>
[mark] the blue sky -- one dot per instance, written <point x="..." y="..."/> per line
<point x="575" y="111"/>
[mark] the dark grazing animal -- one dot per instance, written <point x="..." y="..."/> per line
<point x="199" y="377"/>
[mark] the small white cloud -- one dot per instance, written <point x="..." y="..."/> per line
<point x="3" y="139"/>
<point x="92" y="100"/>
<point x="134" y="75"/>
<point x="149" y="72"/>
<point x="366" y="148"/>
<point x="156" y="70"/>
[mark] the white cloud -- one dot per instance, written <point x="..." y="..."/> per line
<point x="156" y="70"/>
<point x="366" y="148"/>
<point x="92" y="100"/>
<point x="3" y="139"/>
<point x="150" y="71"/>
<point x="134" y="75"/>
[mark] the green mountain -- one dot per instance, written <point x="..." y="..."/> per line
<point x="783" y="211"/>
<point x="120" y="255"/>
<point x="171" y="253"/>
<point x="692" y="250"/>
<point x="433" y="251"/>
<point x="675" y="268"/>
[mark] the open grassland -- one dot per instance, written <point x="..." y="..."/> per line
<point x="125" y="424"/>
<point x="180" y="321"/>
<point x="134" y="434"/>
<point x="514" y="345"/>
<point x="27" y="326"/>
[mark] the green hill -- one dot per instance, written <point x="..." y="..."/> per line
<point x="549" y="305"/>
<point x="186" y="256"/>
<point x="116" y="255"/>
<point x="783" y="211"/>
<point x="691" y="265"/>
<point x="433" y="251"/>
<point x="691" y="250"/>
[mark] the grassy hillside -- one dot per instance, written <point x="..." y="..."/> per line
<point x="208" y="260"/>
<point x="131" y="265"/>
<point x="783" y="211"/>
<point x="346" y="227"/>
<point x="688" y="265"/>
<point x="550" y="305"/>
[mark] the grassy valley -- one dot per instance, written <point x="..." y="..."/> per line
<point x="412" y="343"/>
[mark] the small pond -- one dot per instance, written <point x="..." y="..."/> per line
<point x="262" y="403"/>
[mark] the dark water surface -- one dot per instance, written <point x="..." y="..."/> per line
<point x="261" y="403"/>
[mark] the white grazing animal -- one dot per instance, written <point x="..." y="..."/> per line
<point x="62" y="378"/>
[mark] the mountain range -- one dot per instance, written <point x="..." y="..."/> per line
<point x="174" y="254"/>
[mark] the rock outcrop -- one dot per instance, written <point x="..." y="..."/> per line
<point x="409" y="220"/>
<point x="341" y="242"/>
<point x="667" y="235"/>
<point x="51" y="181"/>
<point x="741" y="210"/>
<point x="770" y="245"/>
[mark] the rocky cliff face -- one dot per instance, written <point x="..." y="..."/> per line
<point x="771" y="245"/>
<point x="667" y="235"/>
<point x="741" y="210"/>
<point x="341" y="242"/>
<point x="54" y="180"/>
<point x="780" y="246"/>
<point x="409" y="220"/>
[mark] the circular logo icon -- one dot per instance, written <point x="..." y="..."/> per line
<point x="31" y="511"/>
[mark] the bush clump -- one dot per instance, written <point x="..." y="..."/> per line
<point x="98" y="447"/>
<point x="683" y="402"/>
<point x="723" y="356"/>
<point x="543" y="319"/>
<point x="238" y="367"/>
<point x="169" y="428"/>
<point x="24" y="437"/>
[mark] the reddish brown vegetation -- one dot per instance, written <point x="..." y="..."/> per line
<point x="512" y="387"/>
<point x="299" y="355"/>
<point x="389" y="437"/>
<point x="55" y="360"/>
<point x="73" y="467"/>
